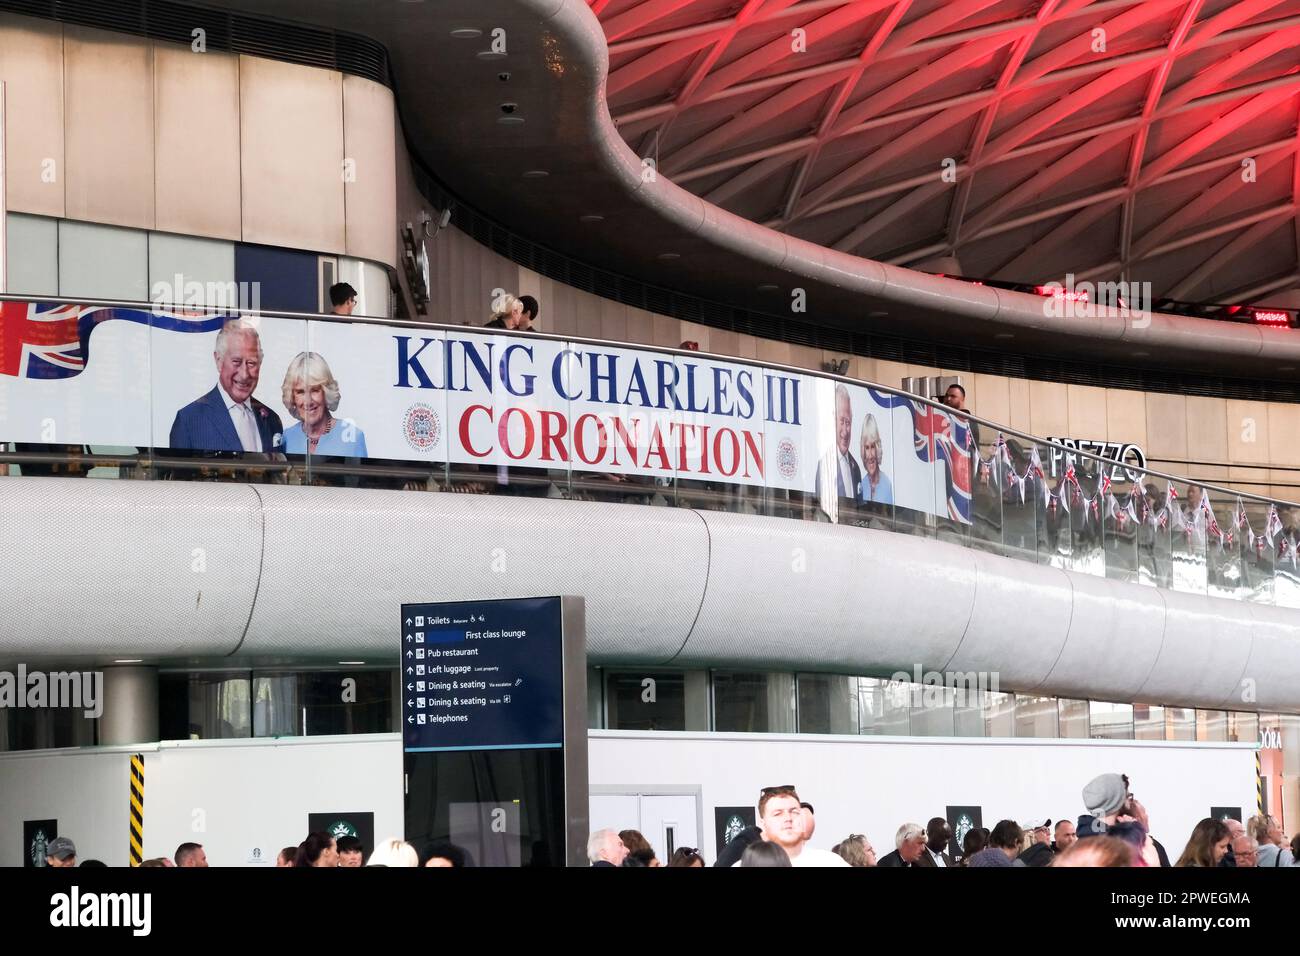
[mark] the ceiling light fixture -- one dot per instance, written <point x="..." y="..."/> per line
<point x="490" y="55"/>
<point x="131" y="660"/>
<point x="351" y="662"/>
<point x="591" y="217"/>
<point x="467" y="33"/>
<point x="667" y="256"/>
<point x="510" y="120"/>
<point x="536" y="174"/>
<point x="768" y="287"/>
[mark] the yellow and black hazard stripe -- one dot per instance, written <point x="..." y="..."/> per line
<point x="137" y="809"/>
<point x="1259" y="785"/>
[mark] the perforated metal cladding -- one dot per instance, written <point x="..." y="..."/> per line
<point x="1204" y="653"/>
<point x="126" y="569"/>
<point x="1116" y="631"/>
<point x="786" y="593"/>
<point x="1273" y="671"/>
<point x="340" y="562"/>
<point x="1019" y="621"/>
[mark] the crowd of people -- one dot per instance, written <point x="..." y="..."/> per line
<point x="1115" y="831"/>
<point x="319" y="850"/>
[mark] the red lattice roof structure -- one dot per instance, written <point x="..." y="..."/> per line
<point x="1143" y="140"/>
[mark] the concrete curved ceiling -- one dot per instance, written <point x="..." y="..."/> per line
<point x="1104" y="139"/>
<point x="599" y="205"/>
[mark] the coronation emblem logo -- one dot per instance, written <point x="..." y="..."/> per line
<point x="787" y="458"/>
<point x="732" y="829"/>
<point x="421" y="427"/>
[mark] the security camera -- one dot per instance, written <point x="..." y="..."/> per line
<point x="503" y="77"/>
<point x="509" y="108"/>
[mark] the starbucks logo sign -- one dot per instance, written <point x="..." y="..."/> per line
<point x="342" y="828"/>
<point x="37" y="850"/>
<point x="964" y="825"/>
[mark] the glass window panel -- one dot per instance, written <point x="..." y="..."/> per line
<point x="1243" y="727"/>
<point x="103" y="262"/>
<point x="184" y="270"/>
<point x="1108" y="721"/>
<point x="1072" y="718"/>
<point x="753" y="703"/>
<point x="1180" y="723"/>
<point x="639" y="700"/>
<point x="828" y="704"/>
<point x="933" y="711"/>
<point x="32" y="253"/>
<point x="968" y="713"/>
<point x="276" y="711"/>
<point x="999" y="714"/>
<point x="1212" y="725"/>
<point x="1148" y="722"/>
<point x="219" y="706"/>
<point x="1036" y="716"/>
<point x="325" y="711"/>
<point x="883" y="707"/>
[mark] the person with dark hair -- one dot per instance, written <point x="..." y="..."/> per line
<point x="976" y="839"/>
<point x="955" y="398"/>
<point x="286" y="857"/>
<point x="763" y="853"/>
<point x="937" y="835"/>
<point x="443" y="855"/>
<point x="1207" y="846"/>
<point x="733" y="851"/>
<point x="343" y="298"/>
<point x="639" y="847"/>
<point x="528" y="315"/>
<point x="350" y="851"/>
<point x="94" y="864"/>
<point x="60" y="852"/>
<point x="159" y="862"/>
<point x="1004" y="846"/>
<point x="687" y="856"/>
<point x="190" y="855"/>
<point x="319" y="850"/>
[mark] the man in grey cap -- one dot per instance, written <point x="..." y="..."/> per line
<point x="1105" y="798"/>
<point x="60" y="852"/>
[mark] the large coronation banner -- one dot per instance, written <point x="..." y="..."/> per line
<point x="72" y="374"/>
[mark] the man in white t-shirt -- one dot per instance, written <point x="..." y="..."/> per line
<point x="782" y="820"/>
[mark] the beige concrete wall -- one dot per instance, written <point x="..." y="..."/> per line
<point x="109" y="128"/>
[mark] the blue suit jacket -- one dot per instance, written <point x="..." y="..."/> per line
<point x="204" y="424"/>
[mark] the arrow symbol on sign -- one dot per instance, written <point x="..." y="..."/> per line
<point x="410" y="687"/>
<point x="409" y="671"/>
<point x="410" y="719"/>
<point x="410" y="654"/>
<point x="408" y="622"/>
<point x="410" y="703"/>
<point x="408" y="638"/>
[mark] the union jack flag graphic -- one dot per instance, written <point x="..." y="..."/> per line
<point x="51" y="340"/>
<point x="940" y="438"/>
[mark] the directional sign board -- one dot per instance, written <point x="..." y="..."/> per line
<point x="483" y="675"/>
<point x="494" y="729"/>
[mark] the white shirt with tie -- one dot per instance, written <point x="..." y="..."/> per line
<point x="244" y="420"/>
<point x="847" y="487"/>
<point x="937" y="857"/>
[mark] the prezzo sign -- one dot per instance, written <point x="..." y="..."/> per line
<point x="72" y="374"/>
<point x="1119" y="452"/>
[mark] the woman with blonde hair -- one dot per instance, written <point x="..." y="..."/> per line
<point x="311" y="394"/>
<point x="875" y="486"/>
<point x="394" y="852"/>
<point x="507" y="312"/>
